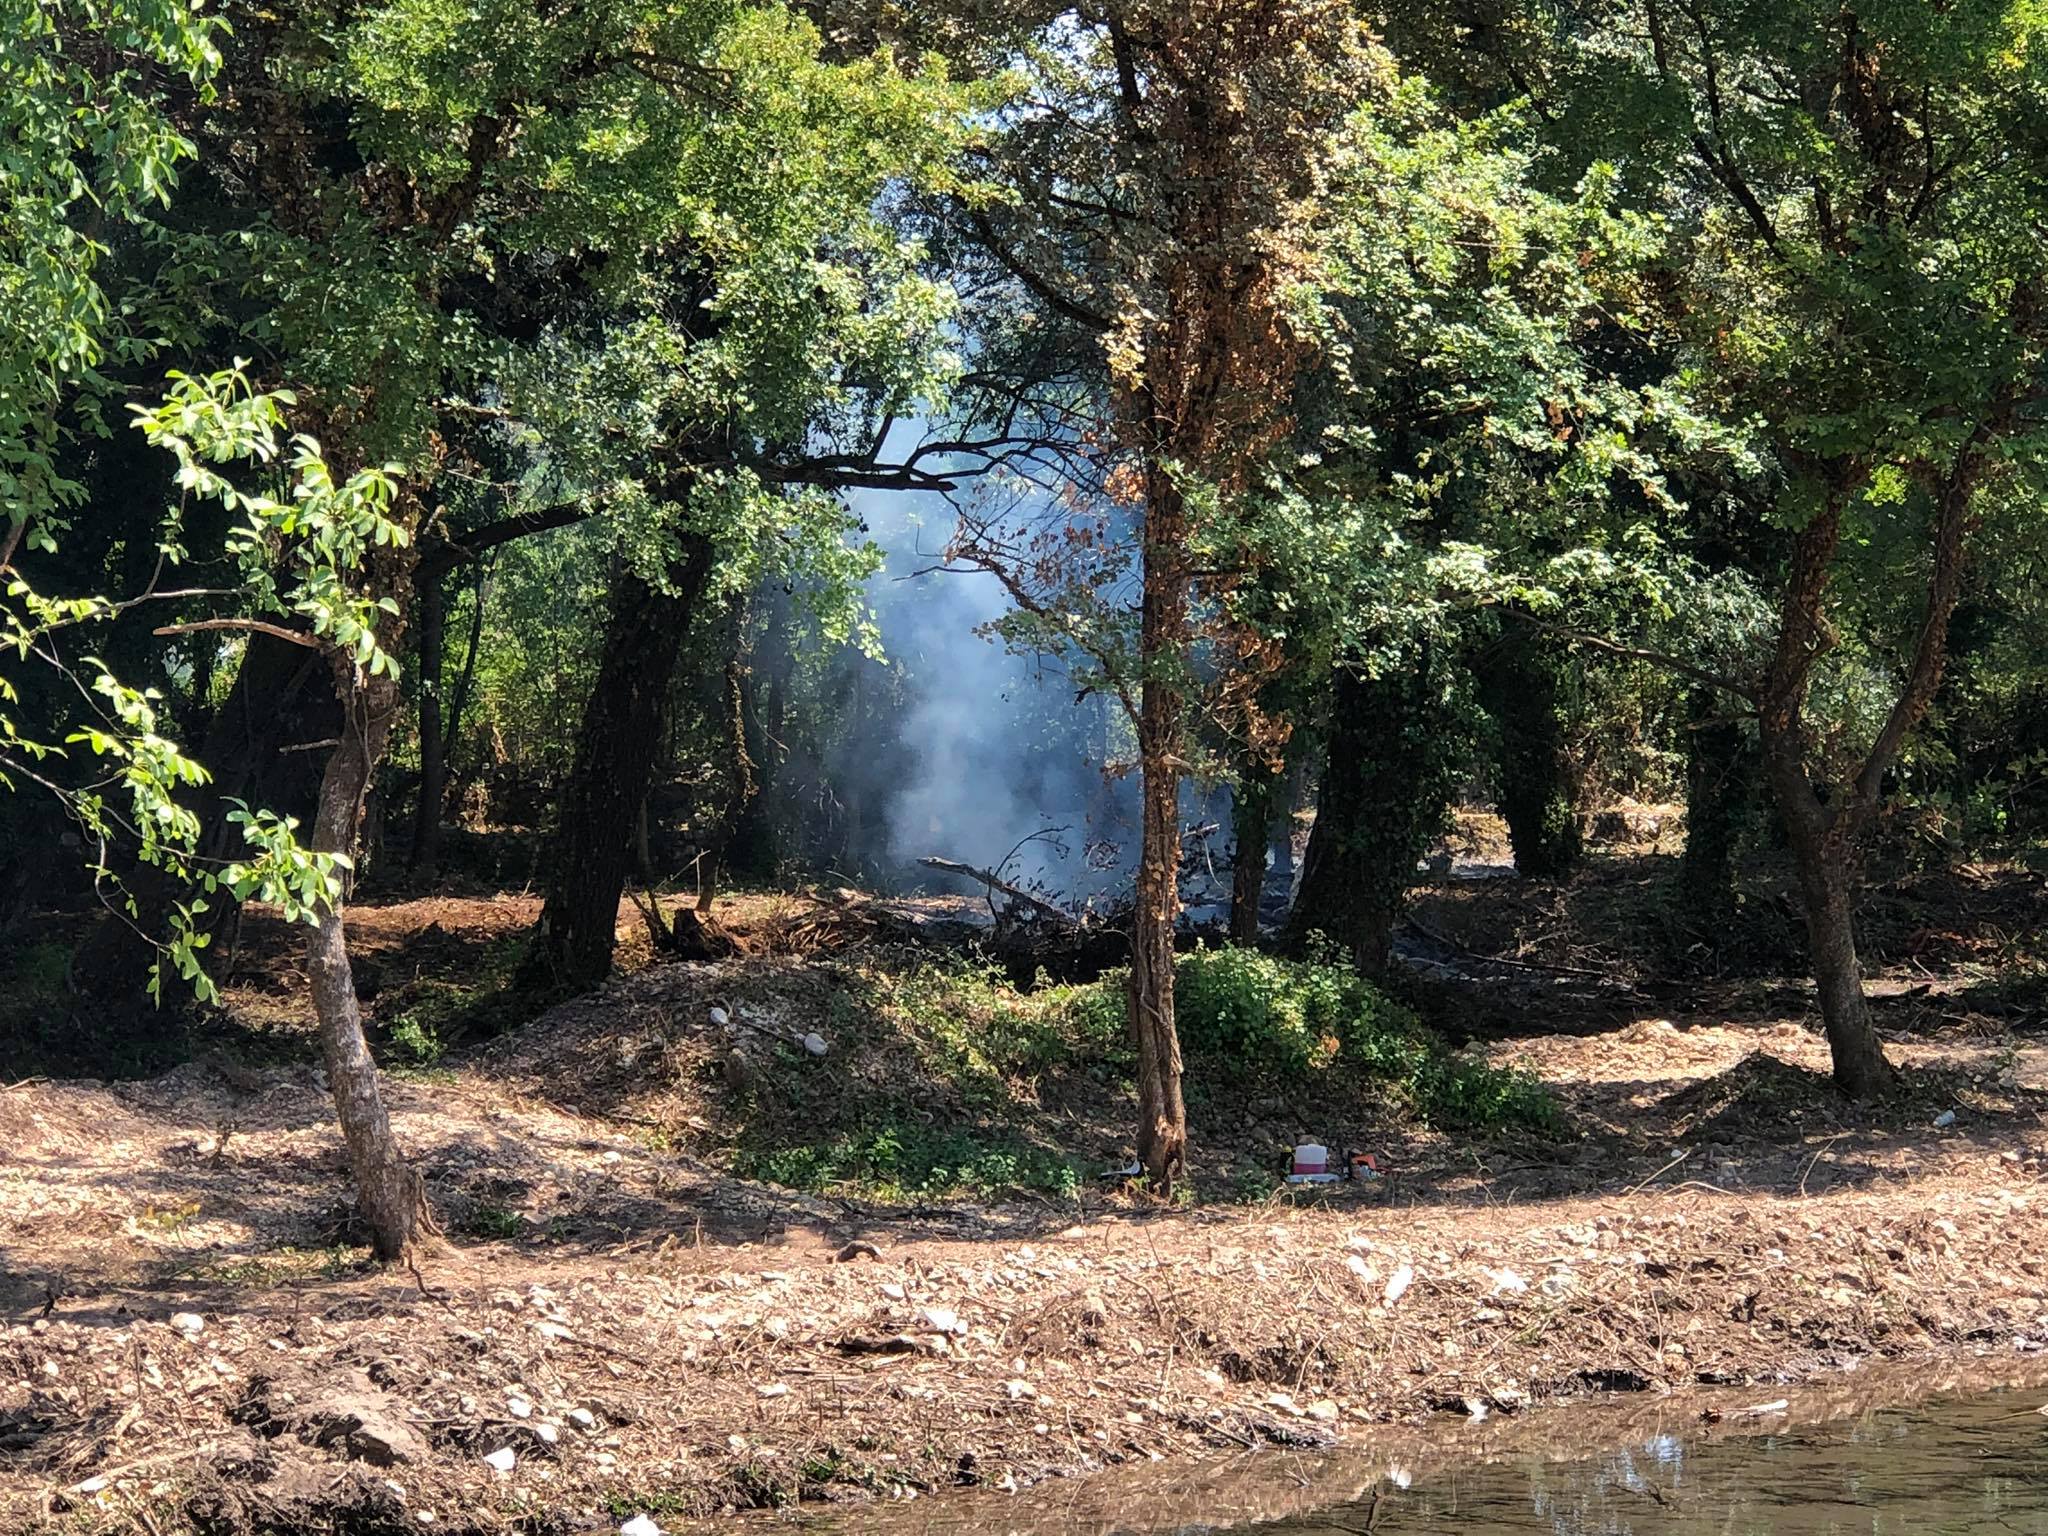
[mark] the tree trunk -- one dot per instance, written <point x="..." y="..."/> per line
<point x="1519" y="681"/>
<point x="1720" y="783"/>
<point x="388" y="1192"/>
<point x="1396" y="750"/>
<point x="1252" y="825"/>
<point x="1821" y="834"/>
<point x="616" y="748"/>
<point x="426" y="819"/>
<point x="1825" y="878"/>
<point x="1163" y="623"/>
<point x="1290" y="791"/>
<point x="754" y="844"/>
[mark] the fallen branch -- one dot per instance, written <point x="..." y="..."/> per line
<point x="1520" y="965"/>
<point x="996" y="882"/>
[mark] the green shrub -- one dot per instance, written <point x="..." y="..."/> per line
<point x="900" y="1161"/>
<point x="1253" y="1012"/>
<point x="415" y="1042"/>
<point x="1242" y="1013"/>
<point x="977" y="1032"/>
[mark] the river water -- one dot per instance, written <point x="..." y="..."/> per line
<point x="1944" y="1468"/>
<point x="1958" y="1453"/>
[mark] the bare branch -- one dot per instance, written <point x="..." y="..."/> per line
<point x="255" y="626"/>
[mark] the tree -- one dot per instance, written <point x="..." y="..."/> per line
<point x="1856" y="276"/>
<point x="85" y="106"/>
<point x="720" y="412"/>
<point x="1164" y="175"/>
<point x="303" y="554"/>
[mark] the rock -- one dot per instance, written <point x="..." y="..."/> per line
<point x="642" y="1525"/>
<point x="856" y="1250"/>
<point x="547" y="1433"/>
<point x="815" y="1044"/>
<point x="942" y="1320"/>
<point x="721" y="1018"/>
<point x="773" y="1389"/>
<point x="1944" y="1120"/>
<point x="1398" y="1283"/>
<point x="1323" y="1410"/>
<point x="1019" y="1389"/>
<point x="190" y="1324"/>
<point x="360" y="1420"/>
<point x="518" y="1407"/>
<point x="501" y="1460"/>
<point x="583" y="1419"/>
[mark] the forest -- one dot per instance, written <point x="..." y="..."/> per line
<point x="757" y="752"/>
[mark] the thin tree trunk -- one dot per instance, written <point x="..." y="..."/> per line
<point x="1821" y="834"/>
<point x="426" y="819"/>
<point x="616" y="749"/>
<point x="458" y="707"/>
<point x="1291" y="790"/>
<point x="1825" y="863"/>
<point x="388" y="1192"/>
<point x="1252" y="827"/>
<point x="1162" y="1114"/>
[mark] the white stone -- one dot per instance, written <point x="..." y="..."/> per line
<point x="191" y="1324"/>
<point x="583" y="1419"/>
<point x="642" y="1525"/>
<point x="1398" y="1283"/>
<point x="518" y="1407"/>
<point x="815" y="1044"/>
<point x="501" y="1460"/>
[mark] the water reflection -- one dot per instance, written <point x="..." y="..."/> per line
<point x="1901" y="1453"/>
<point x="1947" y="1468"/>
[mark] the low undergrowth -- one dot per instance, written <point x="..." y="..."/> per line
<point x="427" y="1016"/>
<point x="1248" y="1015"/>
<point x="954" y="1082"/>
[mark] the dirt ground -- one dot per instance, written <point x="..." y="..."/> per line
<point x="615" y="1325"/>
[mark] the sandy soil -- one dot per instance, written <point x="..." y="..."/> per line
<point x="190" y="1344"/>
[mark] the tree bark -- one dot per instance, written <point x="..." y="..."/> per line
<point x="1252" y="828"/>
<point x="388" y="1193"/>
<point x="591" y="855"/>
<point x="426" y="820"/>
<point x="1825" y="861"/>
<point x="1395" y="752"/>
<point x="1720" y="782"/>
<point x="458" y="707"/>
<point x="1519" y="679"/>
<point x="1163" y="624"/>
